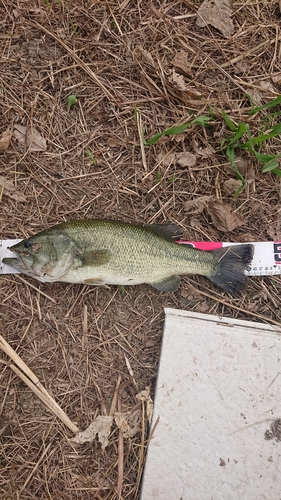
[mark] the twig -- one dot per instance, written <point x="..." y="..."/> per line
<point x="31" y="380"/>
<point x="79" y="61"/>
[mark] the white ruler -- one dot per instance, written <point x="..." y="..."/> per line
<point x="266" y="260"/>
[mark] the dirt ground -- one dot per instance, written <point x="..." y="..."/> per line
<point x="136" y="67"/>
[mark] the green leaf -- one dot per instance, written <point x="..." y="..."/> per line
<point x="263" y="158"/>
<point x="153" y="139"/>
<point x="200" y="120"/>
<point x="277" y="171"/>
<point x="231" y="125"/>
<point x="88" y="152"/>
<point x="230" y="153"/>
<point x="269" y="105"/>
<point x="270" y="165"/>
<point x="276" y="130"/>
<point x="71" y="99"/>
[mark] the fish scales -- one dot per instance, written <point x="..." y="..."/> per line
<point x="112" y="252"/>
<point x="136" y="254"/>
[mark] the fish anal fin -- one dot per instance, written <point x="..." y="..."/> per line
<point x="171" y="232"/>
<point x="169" y="284"/>
<point x="94" y="281"/>
<point x="94" y="257"/>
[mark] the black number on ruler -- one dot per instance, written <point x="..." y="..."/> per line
<point x="277" y="252"/>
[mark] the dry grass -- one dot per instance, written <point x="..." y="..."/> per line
<point x="94" y="349"/>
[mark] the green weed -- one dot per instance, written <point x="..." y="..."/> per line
<point x="240" y="137"/>
<point x="71" y="100"/>
<point x="89" y="154"/>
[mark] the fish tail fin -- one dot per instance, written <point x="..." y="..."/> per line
<point x="230" y="269"/>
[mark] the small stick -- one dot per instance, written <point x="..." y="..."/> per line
<point x="35" y="385"/>
<point x="140" y="131"/>
<point x="36" y="467"/>
<point x="120" y="454"/>
<point x="37" y="289"/>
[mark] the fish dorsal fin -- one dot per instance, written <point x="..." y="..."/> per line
<point x="171" y="232"/>
<point x="94" y="257"/>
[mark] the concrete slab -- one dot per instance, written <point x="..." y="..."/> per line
<point x="218" y="392"/>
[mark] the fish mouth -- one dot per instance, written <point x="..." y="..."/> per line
<point x="17" y="263"/>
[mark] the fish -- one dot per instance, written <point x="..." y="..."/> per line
<point x="101" y="251"/>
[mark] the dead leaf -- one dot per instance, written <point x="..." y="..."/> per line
<point x="197" y="205"/>
<point x="145" y="396"/>
<point x="232" y="185"/>
<point x="101" y="426"/>
<point x="128" y="422"/>
<point x="223" y="217"/>
<point x="145" y="55"/>
<point x="179" y="83"/>
<point x="276" y="78"/>
<point x="186" y="159"/>
<point x="113" y="142"/>
<point x="241" y="163"/>
<point x="246" y="237"/>
<point x="217" y="13"/>
<point x="181" y="62"/>
<point x="30" y="138"/>
<point x="267" y="86"/>
<point x="5" y="139"/>
<point x="10" y="190"/>
<point x="204" y="152"/>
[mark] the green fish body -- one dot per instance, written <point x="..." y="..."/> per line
<point x="97" y="252"/>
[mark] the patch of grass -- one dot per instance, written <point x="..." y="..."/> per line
<point x="234" y="141"/>
<point x="202" y="120"/>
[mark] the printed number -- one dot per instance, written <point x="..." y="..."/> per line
<point x="277" y="252"/>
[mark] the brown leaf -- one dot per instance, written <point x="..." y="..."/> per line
<point x="128" y="423"/>
<point x="30" y="138"/>
<point x="276" y="78"/>
<point x="197" y="205"/>
<point x="223" y="217"/>
<point x="181" y="62"/>
<point x="145" y="396"/>
<point x="5" y="139"/>
<point x="232" y="185"/>
<point x="145" y="55"/>
<point x="179" y="83"/>
<point x="101" y="426"/>
<point x="267" y="86"/>
<point x="11" y="190"/>
<point x="217" y="13"/>
<point x="186" y="159"/>
<point x="204" y="152"/>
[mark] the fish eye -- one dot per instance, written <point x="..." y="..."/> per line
<point x="27" y="244"/>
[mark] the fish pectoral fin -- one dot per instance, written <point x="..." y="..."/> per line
<point x="171" y="232"/>
<point x="94" y="257"/>
<point x="169" y="284"/>
<point x="94" y="281"/>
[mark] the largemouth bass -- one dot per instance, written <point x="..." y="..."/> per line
<point x="98" y="252"/>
